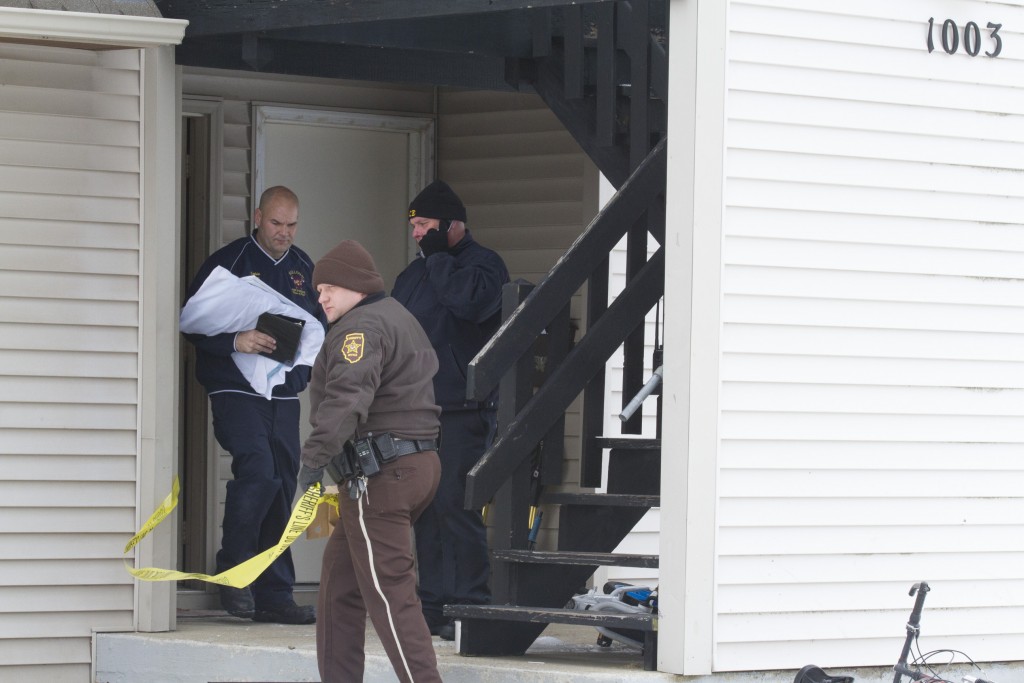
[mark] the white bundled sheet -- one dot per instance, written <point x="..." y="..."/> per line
<point x="227" y="303"/>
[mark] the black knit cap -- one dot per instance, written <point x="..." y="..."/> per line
<point x="348" y="265"/>
<point x="438" y="200"/>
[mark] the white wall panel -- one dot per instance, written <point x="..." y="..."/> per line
<point x="852" y="369"/>
<point x="872" y="372"/>
<point x="876" y="455"/>
<point x="828" y="226"/>
<point x="26" y="652"/>
<point x="807" y="570"/>
<point x="69" y="339"/>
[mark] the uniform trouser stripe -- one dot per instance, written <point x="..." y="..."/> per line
<point x="370" y="555"/>
<point x="363" y="499"/>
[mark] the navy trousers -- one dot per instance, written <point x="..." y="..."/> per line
<point x="263" y="439"/>
<point x="451" y="542"/>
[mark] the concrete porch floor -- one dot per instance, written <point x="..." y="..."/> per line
<point x="210" y="646"/>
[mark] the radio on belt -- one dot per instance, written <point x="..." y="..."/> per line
<point x="364" y="456"/>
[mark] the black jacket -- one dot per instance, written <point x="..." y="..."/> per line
<point x="292" y="276"/>
<point x="456" y="297"/>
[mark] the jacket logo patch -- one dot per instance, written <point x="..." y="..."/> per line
<point x="352" y="347"/>
<point x="298" y="282"/>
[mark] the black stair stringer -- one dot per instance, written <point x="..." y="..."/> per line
<point x="634" y="470"/>
<point x="595" y="528"/>
<point x="486" y="637"/>
<point x="547" y="586"/>
<point x="579" y="118"/>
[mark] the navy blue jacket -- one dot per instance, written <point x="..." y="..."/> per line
<point x="292" y="276"/>
<point x="456" y="297"/>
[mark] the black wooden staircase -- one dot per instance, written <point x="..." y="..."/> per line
<point x="602" y="69"/>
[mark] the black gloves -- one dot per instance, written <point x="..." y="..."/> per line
<point x="435" y="241"/>
<point x="309" y="476"/>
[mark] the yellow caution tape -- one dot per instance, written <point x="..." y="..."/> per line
<point x="245" y="573"/>
<point x="170" y="502"/>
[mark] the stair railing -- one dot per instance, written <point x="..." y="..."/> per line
<point x="582" y="58"/>
<point x="589" y="356"/>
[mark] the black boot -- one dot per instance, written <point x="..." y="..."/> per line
<point x="237" y="602"/>
<point x="287" y="613"/>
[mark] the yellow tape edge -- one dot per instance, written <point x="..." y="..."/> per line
<point x="245" y="573"/>
<point x="170" y="502"/>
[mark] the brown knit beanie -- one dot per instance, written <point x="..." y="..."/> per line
<point x="350" y="266"/>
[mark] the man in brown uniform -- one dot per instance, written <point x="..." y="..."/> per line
<point x="371" y="395"/>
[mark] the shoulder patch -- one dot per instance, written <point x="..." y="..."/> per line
<point x="352" y="347"/>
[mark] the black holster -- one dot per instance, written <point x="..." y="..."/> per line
<point x="366" y="456"/>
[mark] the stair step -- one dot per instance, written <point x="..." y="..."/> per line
<point x="602" y="499"/>
<point x="633" y="471"/>
<point x="628" y="443"/>
<point x="551" y="615"/>
<point x="574" y="557"/>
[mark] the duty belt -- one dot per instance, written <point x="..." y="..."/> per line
<point x="410" y="446"/>
<point x="365" y="457"/>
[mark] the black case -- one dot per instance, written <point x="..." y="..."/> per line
<point x="286" y="331"/>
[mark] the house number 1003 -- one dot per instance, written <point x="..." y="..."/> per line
<point x="949" y="34"/>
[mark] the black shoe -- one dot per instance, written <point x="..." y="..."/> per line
<point x="237" y="602"/>
<point x="435" y="625"/>
<point x="288" y="613"/>
<point x="447" y="631"/>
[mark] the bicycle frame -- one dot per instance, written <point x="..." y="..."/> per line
<point x="913" y="630"/>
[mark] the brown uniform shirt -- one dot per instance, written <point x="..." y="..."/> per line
<point x="373" y="374"/>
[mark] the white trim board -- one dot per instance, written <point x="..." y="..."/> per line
<point x="89" y="29"/>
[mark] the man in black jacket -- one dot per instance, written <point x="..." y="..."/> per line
<point x="454" y="290"/>
<point x="262" y="436"/>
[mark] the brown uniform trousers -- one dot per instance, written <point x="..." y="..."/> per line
<point x="377" y="578"/>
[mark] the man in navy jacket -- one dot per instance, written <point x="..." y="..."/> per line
<point x="262" y="436"/>
<point x="454" y="290"/>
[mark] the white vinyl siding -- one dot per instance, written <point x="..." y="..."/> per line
<point x="872" y="360"/>
<point x="529" y="192"/>
<point x="69" y="352"/>
<point x="519" y="173"/>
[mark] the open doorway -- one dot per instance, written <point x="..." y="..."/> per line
<point x="355" y="174"/>
<point x="199" y="195"/>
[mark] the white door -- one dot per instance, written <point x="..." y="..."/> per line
<point x="355" y="175"/>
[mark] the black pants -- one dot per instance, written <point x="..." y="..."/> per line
<point x="451" y="542"/>
<point x="263" y="439"/>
